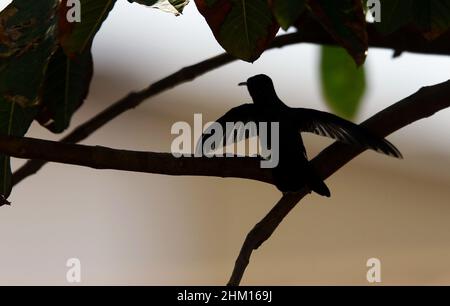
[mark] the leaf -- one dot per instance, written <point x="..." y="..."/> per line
<point x="346" y="23"/>
<point x="14" y="121"/>
<point x="170" y="6"/>
<point x="27" y="41"/>
<point x="76" y="37"/>
<point x="431" y="18"/>
<point x="65" y="89"/>
<point x="287" y="11"/>
<point x="343" y="83"/>
<point x="244" y="28"/>
<point x="394" y="15"/>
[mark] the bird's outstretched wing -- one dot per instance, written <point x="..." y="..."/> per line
<point x="326" y="124"/>
<point x="244" y="114"/>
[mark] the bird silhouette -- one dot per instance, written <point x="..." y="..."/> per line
<point x="294" y="170"/>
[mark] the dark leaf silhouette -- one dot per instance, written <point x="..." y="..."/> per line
<point x="243" y="28"/>
<point x="66" y="86"/>
<point x="26" y="44"/>
<point x="346" y="23"/>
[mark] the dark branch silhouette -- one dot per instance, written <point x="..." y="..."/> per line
<point x="424" y="103"/>
<point x="98" y="157"/>
<point x="312" y="32"/>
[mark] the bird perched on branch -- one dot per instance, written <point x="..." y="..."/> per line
<point x="294" y="170"/>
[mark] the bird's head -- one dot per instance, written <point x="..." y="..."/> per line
<point x="261" y="89"/>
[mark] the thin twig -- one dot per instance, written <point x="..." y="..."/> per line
<point x="424" y="103"/>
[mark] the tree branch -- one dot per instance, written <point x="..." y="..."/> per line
<point x="311" y="32"/>
<point x="98" y="157"/>
<point x="426" y="102"/>
<point x="404" y="40"/>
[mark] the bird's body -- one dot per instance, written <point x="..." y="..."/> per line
<point x="294" y="170"/>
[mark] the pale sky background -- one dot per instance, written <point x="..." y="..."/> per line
<point x="129" y="228"/>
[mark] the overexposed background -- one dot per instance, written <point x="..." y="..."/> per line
<point x="129" y="228"/>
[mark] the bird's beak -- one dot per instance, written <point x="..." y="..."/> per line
<point x="242" y="84"/>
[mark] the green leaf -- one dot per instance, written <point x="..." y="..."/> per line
<point x="65" y="89"/>
<point x="170" y="6"/>
<point x="287" y="11"/>
<point x="343" y="84"/>
<point x="244" y="28"/>
<point x="346" y="23"/>
<point x="76" y="37"/>
<point x="27" y="41"/>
